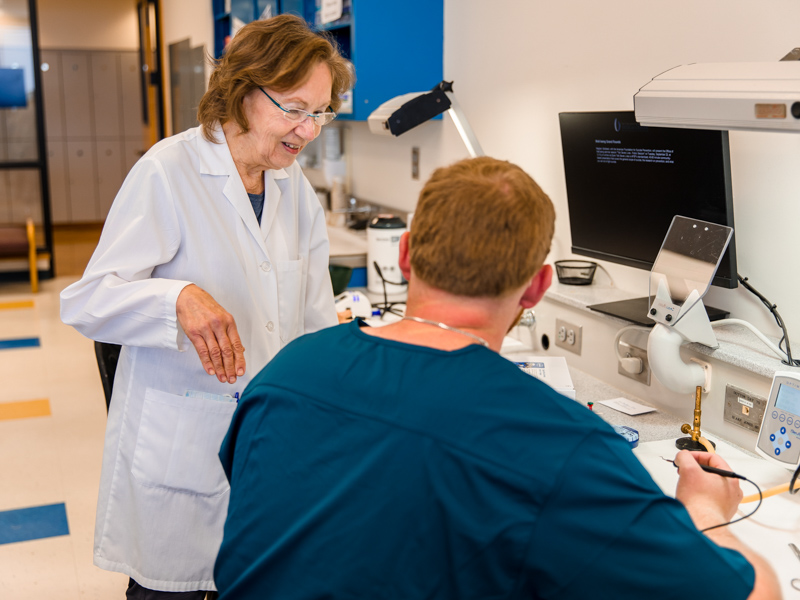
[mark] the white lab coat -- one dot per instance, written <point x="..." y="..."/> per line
<point x="183" y="216"/>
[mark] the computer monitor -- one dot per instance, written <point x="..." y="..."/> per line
<point x="626" y="182"/>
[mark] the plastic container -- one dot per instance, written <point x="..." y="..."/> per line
<point x="383" y="247"/>
<point x="575" y="272"/>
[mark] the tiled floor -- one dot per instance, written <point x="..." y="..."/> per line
<point x="49" y="460"/>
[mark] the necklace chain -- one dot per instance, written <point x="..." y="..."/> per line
<point x="478" y="339"/>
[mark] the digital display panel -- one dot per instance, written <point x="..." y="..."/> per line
<point x="788" y="399"/>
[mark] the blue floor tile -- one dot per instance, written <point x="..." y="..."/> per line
<point x="19" y="343"/>
<point x="33" y="523"/>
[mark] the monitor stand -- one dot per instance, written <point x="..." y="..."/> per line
<point x="636" y="309"/>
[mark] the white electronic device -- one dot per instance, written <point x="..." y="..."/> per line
<point x="779" y="437"/>
<point x="756" y="96"/>
<point x="356" y="302"/>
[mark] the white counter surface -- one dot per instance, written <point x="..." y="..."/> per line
<point x="348" y="247"/>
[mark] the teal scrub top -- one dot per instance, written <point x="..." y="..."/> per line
<point x="368" y="468"/>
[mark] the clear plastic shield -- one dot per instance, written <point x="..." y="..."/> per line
<point x="688" y="260"/>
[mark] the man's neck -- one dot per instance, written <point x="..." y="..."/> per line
<point x="486" y="318"/>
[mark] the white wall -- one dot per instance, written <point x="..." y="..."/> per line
<point x="516" y="65"/>
<point x="88" y="24"/>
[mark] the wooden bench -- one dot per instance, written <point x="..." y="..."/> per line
<point x="19" y="241"/>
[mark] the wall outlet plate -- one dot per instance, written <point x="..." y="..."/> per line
<point x="634" y="352"/>
<point x="569" y="336"/>
<point x="744" y="408"/>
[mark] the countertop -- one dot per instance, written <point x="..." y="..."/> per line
<point x="738" y="346"/>
<point x="347" y="247"/>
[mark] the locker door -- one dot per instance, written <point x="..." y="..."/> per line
<point x="106" y="94"/>
<point x="77" y="96"/>
<point x="82" y="182"/>
<point x="131" y="86"/>
<point x="110" y="160"/>
<point x="59" y="181"/>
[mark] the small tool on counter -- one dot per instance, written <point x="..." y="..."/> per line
<point x="707" y="469"/>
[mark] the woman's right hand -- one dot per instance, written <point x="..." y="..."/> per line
<point x="212" y="331"/>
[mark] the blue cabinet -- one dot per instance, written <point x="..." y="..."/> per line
<point x="396" y="48"/>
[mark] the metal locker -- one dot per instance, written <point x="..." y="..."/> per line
<point x="131" y="86"/>
<point x="110" y="161"/>
<point x="78" y="105"/>
<point x="106" y="95"/>
<point x="59" y="181"/>
<point x="82" y="181"/>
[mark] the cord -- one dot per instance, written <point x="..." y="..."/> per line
<point x="742" y="518"/>
<point x="773" y="308"/>
<point x="778" y="489"/>
<point x="387" y="306"/>
<point x="706" y="444"/>
<point x="610" y="279"/>
<point x="781" y="354"/>
<point x="631" y="364"/>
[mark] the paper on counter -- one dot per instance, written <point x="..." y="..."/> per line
<point x="629" y="407"/>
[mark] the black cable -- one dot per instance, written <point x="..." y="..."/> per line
<point x="742" y="518"/>
<point x="387" y="306"/>
<point x="773" y="309"/>
<point x="792" y="489"/>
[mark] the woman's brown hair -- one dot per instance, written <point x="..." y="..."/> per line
<point x="277" y="53"/>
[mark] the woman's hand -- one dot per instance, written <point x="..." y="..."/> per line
<point x="213" y="332"/>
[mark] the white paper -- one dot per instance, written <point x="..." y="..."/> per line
<point x="629" y="407"/>
<point x="330" y="10"/>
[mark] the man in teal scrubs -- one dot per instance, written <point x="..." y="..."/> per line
<point x="413" y="461"/>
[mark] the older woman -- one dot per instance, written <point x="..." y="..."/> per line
<point x="216" y="243"/>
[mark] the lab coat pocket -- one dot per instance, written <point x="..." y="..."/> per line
<point x="178" y="443"/>
<point x="291" y="276"/>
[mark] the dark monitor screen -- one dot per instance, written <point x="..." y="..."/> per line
<point x="626" y="182"/>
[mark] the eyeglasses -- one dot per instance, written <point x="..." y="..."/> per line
<point x="298" y="116"/>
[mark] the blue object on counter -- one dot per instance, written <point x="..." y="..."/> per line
<point x="628" y="433"/>
<point x="358" y="278"/>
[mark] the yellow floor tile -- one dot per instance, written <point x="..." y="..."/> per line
<point x="24" y="410"/>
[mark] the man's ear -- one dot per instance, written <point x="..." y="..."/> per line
<point x="539" y="284"/>
<point x="405" y="258"/>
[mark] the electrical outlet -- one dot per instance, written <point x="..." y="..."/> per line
<point x="744" y="408"/>
<point x="627" y="350"/>
<point x="569" y="336"/>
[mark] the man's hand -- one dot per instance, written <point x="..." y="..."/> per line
<point x="710" y="499"/>
<point x="213" y="332"/>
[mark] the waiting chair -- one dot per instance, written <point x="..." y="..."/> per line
<point x="19" y="241"/>
<point x="107" y="359"/>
